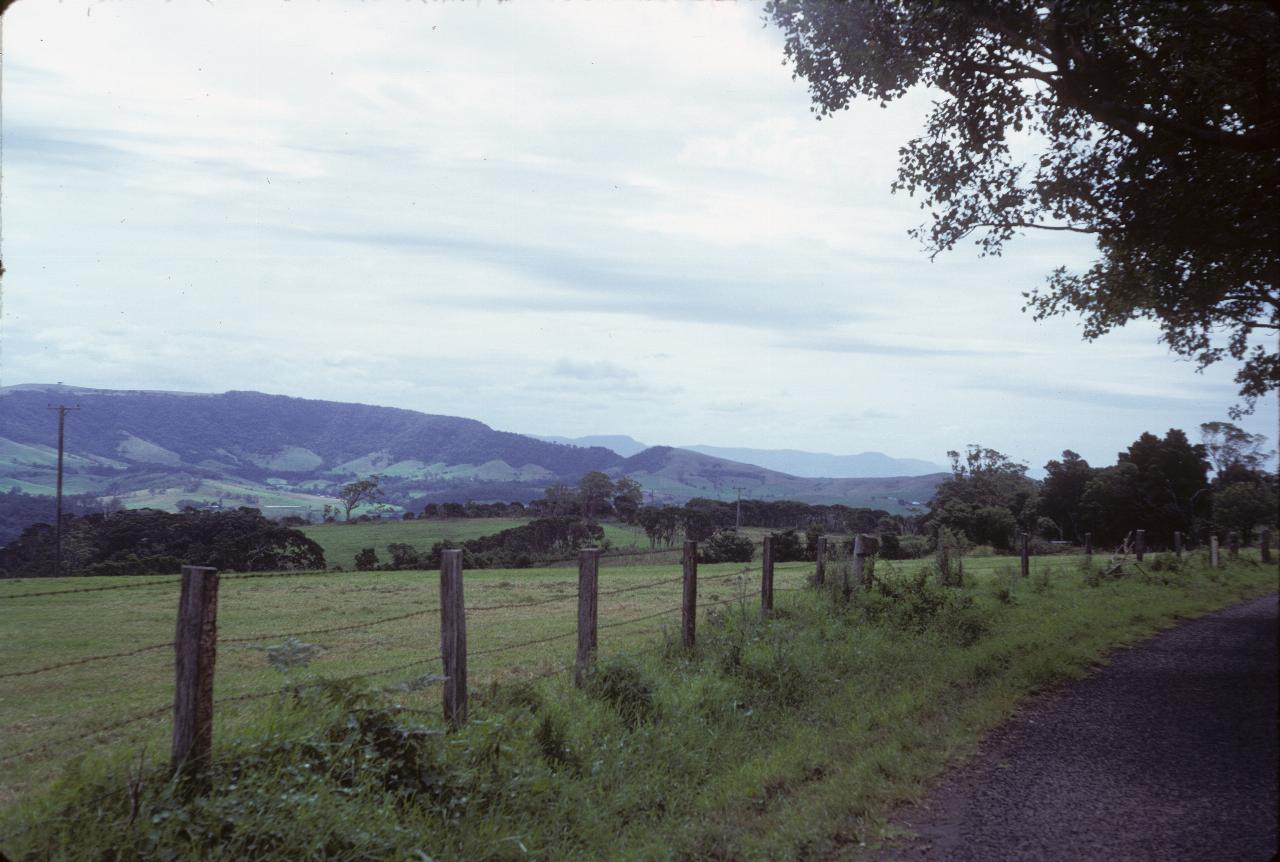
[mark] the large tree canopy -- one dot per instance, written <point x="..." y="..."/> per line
<point x="1158" y="129"/>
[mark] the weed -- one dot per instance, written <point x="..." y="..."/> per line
<point x="622" y="683"/>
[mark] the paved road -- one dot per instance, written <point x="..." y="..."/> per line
<point x="1168" y="753"/>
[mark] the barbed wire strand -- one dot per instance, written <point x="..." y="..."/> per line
<point x="84" y="660"/>
<point x="84" y="734"/>
<point x="132" y="586"/>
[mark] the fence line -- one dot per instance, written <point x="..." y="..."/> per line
<point x="202" y="703"/>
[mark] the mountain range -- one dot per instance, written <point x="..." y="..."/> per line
<point x="814" y="465"/>
<point x="168" y="449"/>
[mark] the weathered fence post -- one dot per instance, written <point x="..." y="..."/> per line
<point x="820" y="562"/>
<point x="1213" y="552"/>
<point x="1139" y="544"/>
<point x="1177" y="544"/>
<point x="1233" y="544"/>
<point x="453" y="638"/>
<point x="1264" y="545"/>
<point x="1088" y="547"/>
<point x="1024" y="563"/>
<point x="689" y="608"/>
<point x="859" y="563"/>
<point x="196" y="649"/>
<point x="588" y="594"/>
<point x="766" y="577"/>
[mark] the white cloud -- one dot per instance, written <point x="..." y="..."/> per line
<point x="571" y="217"/>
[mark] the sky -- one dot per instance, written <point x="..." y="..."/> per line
<point x="564" y="218"/>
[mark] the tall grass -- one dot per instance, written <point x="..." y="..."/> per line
<point x="783" y="738"/>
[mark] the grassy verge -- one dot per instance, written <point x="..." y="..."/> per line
<point x="788" y="738"/>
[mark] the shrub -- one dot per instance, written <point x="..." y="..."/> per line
<point x="366" y="560"/>
<point x="913" y="604"/>
<point x="787" y="547"/>
<point x="727" y="546"/>
<point x="403" y="557"/>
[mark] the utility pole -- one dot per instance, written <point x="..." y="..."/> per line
<point x="57" y="528"/>
<point x="737" y="525"/>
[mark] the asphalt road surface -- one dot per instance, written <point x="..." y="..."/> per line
<point x="1168" y="753"/>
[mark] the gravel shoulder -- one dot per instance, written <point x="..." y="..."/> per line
<point x="1170" y="752"/>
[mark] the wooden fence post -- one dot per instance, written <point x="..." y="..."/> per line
<point x="1233" y="544"/>
<point x="1025" y="561"/>
<point x="1088" y="547"/>
<point x="766" y="577"/>
<point x="1264" y="545"/>
<point x="453" y="638"/>
<point x="859" y="564"/>
<point x="588" y="594"/>
<point x="1177" y="544"/>
<point x="1213" y="552"/>
<point x="196" y="650"/>
<point x="820" y="563"/>
<point x="1139" y="544"/>
<point x="689" y="607"/>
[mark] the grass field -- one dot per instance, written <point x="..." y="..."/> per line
<point x="341" y="542"/>
<point x="790" y="738"/>
<point x="70" y="702"/>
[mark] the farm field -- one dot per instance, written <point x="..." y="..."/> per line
<point x="341" y="541"/>
<point x="257" y="612"/>
<point x="772" y="739"/>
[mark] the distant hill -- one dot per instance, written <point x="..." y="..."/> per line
<point x="820" y="464"/>
<point x="679" y="474"/>
<point x="620" y="443"/>
<point x="167" y="449"/>
<point x="794" y="462"/>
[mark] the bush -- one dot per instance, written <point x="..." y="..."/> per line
<point x="403" y="557"/>
<point x="913" y="604"/>
<point x="787" y="547"/>
<point x="366" y="560"/>
<point x="727" y="546"/>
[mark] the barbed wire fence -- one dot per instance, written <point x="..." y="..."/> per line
<point x="197" y="642"/>
<point x="148" y="717"/>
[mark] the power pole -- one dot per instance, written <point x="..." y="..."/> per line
<point x="57" y="528"/>
<point x="737" y="524"/>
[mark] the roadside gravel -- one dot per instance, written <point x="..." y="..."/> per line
<point x="1170" y="752"/>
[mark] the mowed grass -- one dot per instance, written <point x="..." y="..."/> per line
<point x="63" y="707"/>
<point x="342" y="541"/>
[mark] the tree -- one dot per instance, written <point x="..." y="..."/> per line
<point x="1155" y="122"/>
<point x="1111" y="504"/>
<point x="1062" y="489"/>
<point x="1227" y="446"/>
<point x="558" y="501"/>
<point x="1170" y="473"/>
<point x="1243" y="506"/>
<point x="627" y="497"/>
<point x="987" y="497"/>
<point x="594" y="491"/>
<point x="362" y="490"/>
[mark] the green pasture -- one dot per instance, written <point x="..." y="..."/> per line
<point x="342" y="541"/>
<point x="792" y="737"/>
<point x="70" y="702"/>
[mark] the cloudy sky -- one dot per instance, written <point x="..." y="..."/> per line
<point x="555" y="218"/>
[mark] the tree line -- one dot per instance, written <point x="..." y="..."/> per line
<point x="1160" y="484"/>
<point x="148" y="541"/>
